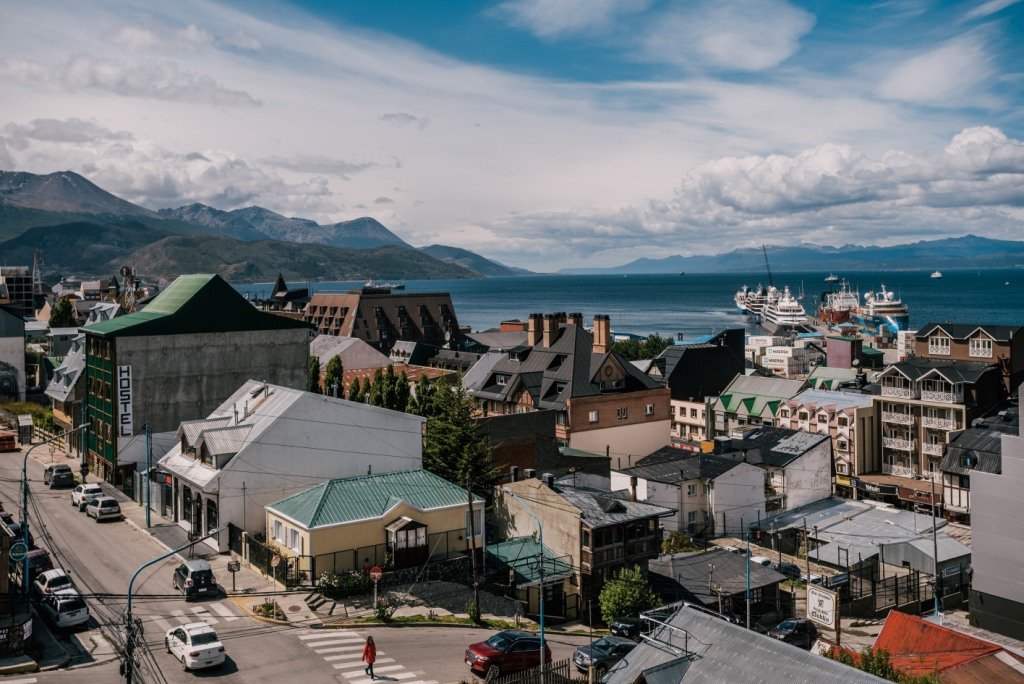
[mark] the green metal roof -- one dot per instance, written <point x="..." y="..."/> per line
<point x="198" y="303"/>
<point x="365" y="497"/>
<point x="522" y="556"/>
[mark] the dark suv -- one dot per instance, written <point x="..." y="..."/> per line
<point x="59" y="475"/>
<point x="195" y="578"/>
<point x="602" y="654"/>
<point x="798" y="632"/>
<point x="508" y="651"/>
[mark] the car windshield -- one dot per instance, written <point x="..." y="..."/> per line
<point x="604" y="645"/>
<point x="202" y="577"/>
<point x="787" y="625"/>
<point x="110" y="503"/>
<point x="499" y="642"/>
<point x="204" y="638"/>
<point x="59" y="581"/>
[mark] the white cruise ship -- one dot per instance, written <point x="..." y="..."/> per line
<point x="782" y="310"/>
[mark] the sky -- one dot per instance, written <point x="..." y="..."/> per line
<point x="542" y="133"/>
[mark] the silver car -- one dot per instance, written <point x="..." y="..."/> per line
<point x="103" y="508"/>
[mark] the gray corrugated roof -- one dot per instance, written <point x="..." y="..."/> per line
<point x="225" y="440"/>
<point x="692" y="573"/>
<point x="600" y="508"/>
<point x="774" y="446"/>
<point x="69" y="371"/>
<point x="982" y="446"/>
<point x="671" y="466"/>
<point x="723" y="652"/>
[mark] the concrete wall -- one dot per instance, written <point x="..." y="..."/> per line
<point x="561" y="523"/>
<point x="638" y="439"/>
<point x="737" y="496"/>
<point x="12" y="351"/>
<point x="809" y="478"/>
<point x="185" y="377"/>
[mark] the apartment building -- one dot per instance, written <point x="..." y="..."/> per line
<point x="1002" y="345"/>
<point x="17" y="290"/>
<point x="751" y="400"/>
<point x="978" y="449"/>
<point x="923" y="401"/>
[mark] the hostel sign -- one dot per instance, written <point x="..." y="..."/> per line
<point x="821" y="605"/>
<point x="125" y="395"/>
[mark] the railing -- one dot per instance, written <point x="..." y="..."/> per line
<point x="899" y="392"/>
<point x="898" y="443"/>
<point x="945" y="397"/>
<point x="898" y="470"/>
<point x="933" y="449"/>
<point x="938" y="423"/>
<point x="981" y="353"/>
<point x="897" y="417"/>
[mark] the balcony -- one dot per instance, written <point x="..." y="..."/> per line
<point x="897" y="417"/>
<point x="899" y="392"/>
<point x="940" y="396"/>
<point x="938" y="423"/>
<point x="898" y="470"/>
<point x="898" y="443"/>
<point x="933" y="449"/>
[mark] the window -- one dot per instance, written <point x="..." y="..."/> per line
<point x="691" y="489"/>
<point x="585" y="538"/>
<point x="593" y="416"/>
<point x="843" y="421"/>
<point x="981" y="346"/>
<point x="938" y="345"/>
<point x="691" y="517"/>
<point x="622" y="413"/>
<point x="277" y="531"/>
<point x="186" y="504"/>
<point x="501" y="380"/>
<point x="784" y="413"/>
<point x="842" y="445"/>
<point x="841" y="467"/>
<point x="294" y="541"/>
<point x="478" y="521"/>
<point x="649" y="410"/>
<point x="693" y="413"/>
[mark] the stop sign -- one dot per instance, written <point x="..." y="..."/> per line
<point x="376" y="573"/>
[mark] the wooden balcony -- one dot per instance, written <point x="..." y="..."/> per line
<point x="898" y="443"/>
<point x="897" y="417"/>
<point x="899" y="392"/>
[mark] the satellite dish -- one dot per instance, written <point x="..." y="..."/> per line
<point x="855" y="363"/>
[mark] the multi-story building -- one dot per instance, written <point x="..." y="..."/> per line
<point x="694" y="372"/>
<point x="380" y="317"/>
<point x="1002" y="345"/>
<point x="923" y="401"/>
<point x="752" y="400"/>
<point x="12" y="355"/>
<point x="850" y="419"/>
<point x="603" y="403"/>
<point x="178" y="359"/>
<point x="978" y="449"/>
<point x="17" y="290"/>
<point x="67" y="392"/>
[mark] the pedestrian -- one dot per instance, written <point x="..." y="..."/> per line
<point x="369" y="655"/>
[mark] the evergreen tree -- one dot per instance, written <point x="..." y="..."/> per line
<point x="452" y="447"/>
<point x="403" y="393"/>
<point x="63" y="314"/>
<point x="375" y="389"/>
<point x="355" y="391"/>
<point x="313" y="376"/>
<point x="332" y="376"/>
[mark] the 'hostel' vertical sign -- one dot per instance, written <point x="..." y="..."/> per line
<point x="125" y="417"/>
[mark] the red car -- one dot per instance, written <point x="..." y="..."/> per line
<point x="507" y="651"/>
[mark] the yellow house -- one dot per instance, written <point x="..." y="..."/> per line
<point x="394" y="520"/>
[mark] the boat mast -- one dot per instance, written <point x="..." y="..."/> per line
<point x="771" y="281"/>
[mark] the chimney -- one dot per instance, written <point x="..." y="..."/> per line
<point x="602" y="334"/>
<point x="530" y="473"/>
<point x="632" y="487"/>
<point x="576" y="318"/>
<point x="533" y="330"/>
<point x="514" y="470"/>
<point x="561" y="318"/>
<point x="549" y="480"/>
<point x="550" y="329"/>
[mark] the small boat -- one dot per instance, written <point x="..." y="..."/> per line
<point x="831" y="278"/>
<point x="682" y="273"/>
<point x="936" y="274"/>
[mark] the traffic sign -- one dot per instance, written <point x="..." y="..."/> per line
<point x="18" y="552"/>
<point x="275" y="561"/>
<point x="376" y="573"/>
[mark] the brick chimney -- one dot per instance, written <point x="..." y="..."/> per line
<point x="550" y="329"/>
<point x="575" y="318"/>
<point x="602" y="334"/>
<point x="533" y="331"/>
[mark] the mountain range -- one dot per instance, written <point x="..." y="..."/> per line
<point x="969" y="251"/>
<point x="83" y="229"/>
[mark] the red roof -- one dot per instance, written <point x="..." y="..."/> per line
<point x="919" y="647"/>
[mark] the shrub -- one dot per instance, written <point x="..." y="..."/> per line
<point x="677" y="542"/>
<point x="344" y="584"/>
<point x="626" y="595"/>
<point x="269" y="609"/>
<point x="385" y="609"/>
<point x="474" y="612"/>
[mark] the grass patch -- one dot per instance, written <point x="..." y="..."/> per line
<point x="269" y="609"/>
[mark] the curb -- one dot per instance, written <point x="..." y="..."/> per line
<point x="457" y="625"/>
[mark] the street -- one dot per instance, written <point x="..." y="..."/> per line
<point x="101" y="557"/>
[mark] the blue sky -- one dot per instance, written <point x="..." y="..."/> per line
<point x="544" y="133"/>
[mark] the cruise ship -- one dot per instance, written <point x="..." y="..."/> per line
<point x="835" y="306"/>
<point x="882" y="310"/>
<point x="752" y="301"/>
<point x="783" y="310"/>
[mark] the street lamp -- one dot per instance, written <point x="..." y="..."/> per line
<point x="129" y="648"/>
<point x="24" y="501"/>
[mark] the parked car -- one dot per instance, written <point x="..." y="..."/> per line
<point x="59" y="475"/>
<point x="49" y="581"/>
<point x="813" y="578"/>
<point x="195" y="578"/>
<point x="15" y="528"/>
<point x="507" y="651"/>
<point x="65" y="608"/>
<point x="195" y="645"/>
<point x="626" y="627"/>
<point x="602" y="654"/>
<point x="790" y="570"/>
<point x="84" y="493"/>
<point x="764" y="561"/>
<point x="103" y="508"/>
<point x="798" y="632"/>
<point x="38" y="562"/>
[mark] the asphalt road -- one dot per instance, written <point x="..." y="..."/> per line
<point x="101" y="558"/>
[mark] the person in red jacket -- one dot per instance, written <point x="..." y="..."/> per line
<point x="369" y="656"/>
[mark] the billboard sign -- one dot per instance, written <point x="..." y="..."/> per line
<point x="822" y="605"/>
<point x="125" y="404"/>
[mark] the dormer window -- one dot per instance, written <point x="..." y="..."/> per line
<point x="784" y="413"/>
<point x="981" y="347"/>
<point x="501" y="380"/>
<point x="939" y="344"/>
<point x="843" y="421"/>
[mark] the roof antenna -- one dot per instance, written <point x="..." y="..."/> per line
<point x="369" y="469"/>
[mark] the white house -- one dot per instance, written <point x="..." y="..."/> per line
<point x="267" y="442"/>
<point x="798" y="464"/>
<point x="711" y="494"/>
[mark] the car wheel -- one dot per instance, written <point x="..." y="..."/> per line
<point x="600" y="671"/>
<point x="184" y="665"/>
<point x="493" y="672"/>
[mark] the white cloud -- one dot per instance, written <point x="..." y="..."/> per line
<point x="549" y="18"/>
<point x="987" y="8"/>
<point x="951" y="74"/>
<point x="243" y="40"/>
<point x="405" y="119"/>
<point x="746" y="35"/>
<point x="321" y="164"/>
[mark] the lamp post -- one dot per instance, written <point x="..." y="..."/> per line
<point x="540" y="531"/>
<point x="129" y="647"/>
<point x="24" y="502"/>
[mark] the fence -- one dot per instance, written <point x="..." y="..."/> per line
<point x="560" y="672"/>
<point x="440" y="546"/>
<point x="290" y="569"/>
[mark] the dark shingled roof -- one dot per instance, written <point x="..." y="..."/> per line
<point x="961" y="331"/>
<point x="982" y="445"/>
<point x="690" y="573"/>
<point x="953" y="371"/>
<point x="600" y="508"/>
<point x="773" y="446"/>
<point x="670" y="465"/>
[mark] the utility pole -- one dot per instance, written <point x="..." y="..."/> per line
<point x="149" y="469"/>
<point x="935" y="550"/>
<point x="807" y="555"/>
<point x="748" y="579"/>
<point x="472" y="549"/>
<point x="243" y="506"/>
<point x="540" y="534"/>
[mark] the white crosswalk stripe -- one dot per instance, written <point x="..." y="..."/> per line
<point x="352" y="650"/>
<point x="335" y="642"/>
<point x="390" y="675"/>
<point x="27" y="680"/>
<point x="220" y="609"/>
<point x="164" y="625"/>
<point x="204" y="615"/>
<point x="344" y="651"/>
<point x="325" y="635"/>
<point x="376" y="669"/>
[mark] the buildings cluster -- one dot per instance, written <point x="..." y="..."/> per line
<point x="815" y="446"/>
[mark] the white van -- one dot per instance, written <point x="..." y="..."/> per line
<point x="65" y="608"/>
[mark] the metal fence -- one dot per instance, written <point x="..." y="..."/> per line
<point x="560" y="672"/>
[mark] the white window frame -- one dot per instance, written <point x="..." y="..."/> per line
<point x="277" y="531"/>
<point x="691" y="490"/>
<point x="649" y="410"/>
<point x="622" y="413"/>
<point x="478" y="521"/>
<point x="594" y="416"/>
<point x="294" y="540"/>
<point x="500" y="380"/>
<point x="940" y="345"/>
<point x="981" y="347"/>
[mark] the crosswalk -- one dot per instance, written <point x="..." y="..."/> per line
<point x="210" y="613"/>
<point x="343" y="650"/>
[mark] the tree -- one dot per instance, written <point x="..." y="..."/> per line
<point x="636" y="350"/>
<point x="422" y="401"/>
<point x="677" y="542"/>
<point x="877" y="662"/>
<point x="626" y="594"/>
<point x="63" y="314"/>
<point x="313" y="376"/>
<point x="332" y="376"/>
<point x="355" y="391"/>
<point x="452" y="446"/>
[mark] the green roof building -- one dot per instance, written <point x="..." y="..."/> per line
<point x="178" y="359"/>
